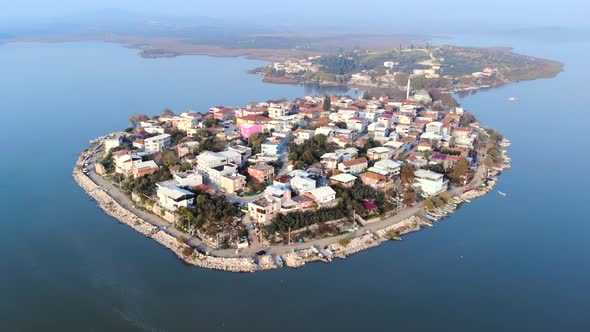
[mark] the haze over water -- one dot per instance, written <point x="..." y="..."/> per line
<point x="513" y="263"/>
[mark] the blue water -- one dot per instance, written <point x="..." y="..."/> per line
<point x="513" y="263"/>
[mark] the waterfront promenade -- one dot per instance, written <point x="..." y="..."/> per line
<point x="365" y="234"/>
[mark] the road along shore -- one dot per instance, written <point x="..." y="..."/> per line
<point x="293" y="258"/>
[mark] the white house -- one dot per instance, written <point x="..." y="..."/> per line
<point x="322" y="195"/>
<point x="171" y="197"/>
<point x="302" y="184"/>
<point x="188" y="180"/>
<point x="430" y="183"/>
<point x="157" y="143"/>
<point x="390" y="165"/>
<point x="112" y="143"/>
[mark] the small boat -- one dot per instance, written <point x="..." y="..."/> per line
<point x="501" y="193"/>
<point x="431" y="217"/>
<point x="512" y="99"/>
<point x="280" y="261"/>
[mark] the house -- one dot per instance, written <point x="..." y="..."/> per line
<point x="390" y="165"/>
<point x="251" y="119"/>
<point x="354" y="166"/>
<point x="277" y="111"/>
<point x="232" y="182"/>
<point x="264" y="209"/>
<point x="112" y="143"/>
<point x="374" y="180"/>
<point x="343" y="179"/>
<point x="322" y="195"/>
<point x="139" y="144"/>
<point x="274" y="145"/>
<point x="143" y="168"/>
<point x="223" y="113"/>
<point x="214" y="174"/>
<point x="209" y="159"/>
<point x="301" y="184"/>
<point x="246" y="130"/>
<point x="430" y="183"/>
<point x="279" y="192"/>
<point x="303" y="202"/>
<point x="231" y="157"/>
<point x="244" y="151"/>
<point x="186" y="148"/>
<point x="188" y="179"/>
<point x="262" y="172"/>
<point x="171" y="197"/>
<point x="124" y="162"/>
<point x="303" y="135"/>
<point x="157" y="143"/>
<point x="379" y="153"/>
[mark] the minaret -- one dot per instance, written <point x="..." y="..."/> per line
<point x="408" y="90"/>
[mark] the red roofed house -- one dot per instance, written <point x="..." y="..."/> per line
<point x="354" y="166"/>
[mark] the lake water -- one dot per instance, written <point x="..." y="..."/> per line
<point x="514" y="263"/>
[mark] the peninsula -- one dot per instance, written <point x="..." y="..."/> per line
<point x="285" y="182"/>
<point x="443" y="68"/>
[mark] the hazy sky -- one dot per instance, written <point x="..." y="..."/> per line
<point x="489" y="12"/>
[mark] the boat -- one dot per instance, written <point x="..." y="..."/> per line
<point x="501" y="193"/>
<point x="512" y="99"/>
<point x="280" y="261"/>
<point x="431" y="217"/>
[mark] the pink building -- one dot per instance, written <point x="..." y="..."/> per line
<point x="248" y="129"/>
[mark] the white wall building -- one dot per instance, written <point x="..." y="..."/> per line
<point x="302" y="184"/>
<point x="430" y="183"/>
<point x="157" y="143"/>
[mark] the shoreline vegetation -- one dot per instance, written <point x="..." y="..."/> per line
<point x="216" y="188"/>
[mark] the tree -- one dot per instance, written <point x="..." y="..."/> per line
<point x="201" y="199"/>
<point x="428" y="205"/>
<point x="208" y="123"/>
<point x="327" y="105"/>
<point x="459" y="173"/>
<point x="320" y="139"/>
<point x="136" y="118"/>
<point x="409" y="197"/>
<point x="446" y="197"/>
<point x="407" y="175"/>
<point x="401" y="79"/>
<point x="167" y="113"/>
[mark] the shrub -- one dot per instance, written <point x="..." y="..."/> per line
<point x="344" y="242"/>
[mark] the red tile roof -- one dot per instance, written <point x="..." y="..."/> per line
<point x="355" y="162"/>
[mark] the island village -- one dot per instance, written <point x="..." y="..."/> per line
<point x="285" y="182"/>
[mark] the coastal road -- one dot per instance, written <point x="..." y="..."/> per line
<point x="119" y="196"/>
<point x="155" y="220"/>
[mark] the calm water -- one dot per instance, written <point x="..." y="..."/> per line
<point x="515" y="263"/>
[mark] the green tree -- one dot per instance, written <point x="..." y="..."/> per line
<point x="320" y="139"/>
<point x="327" y="104"/>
